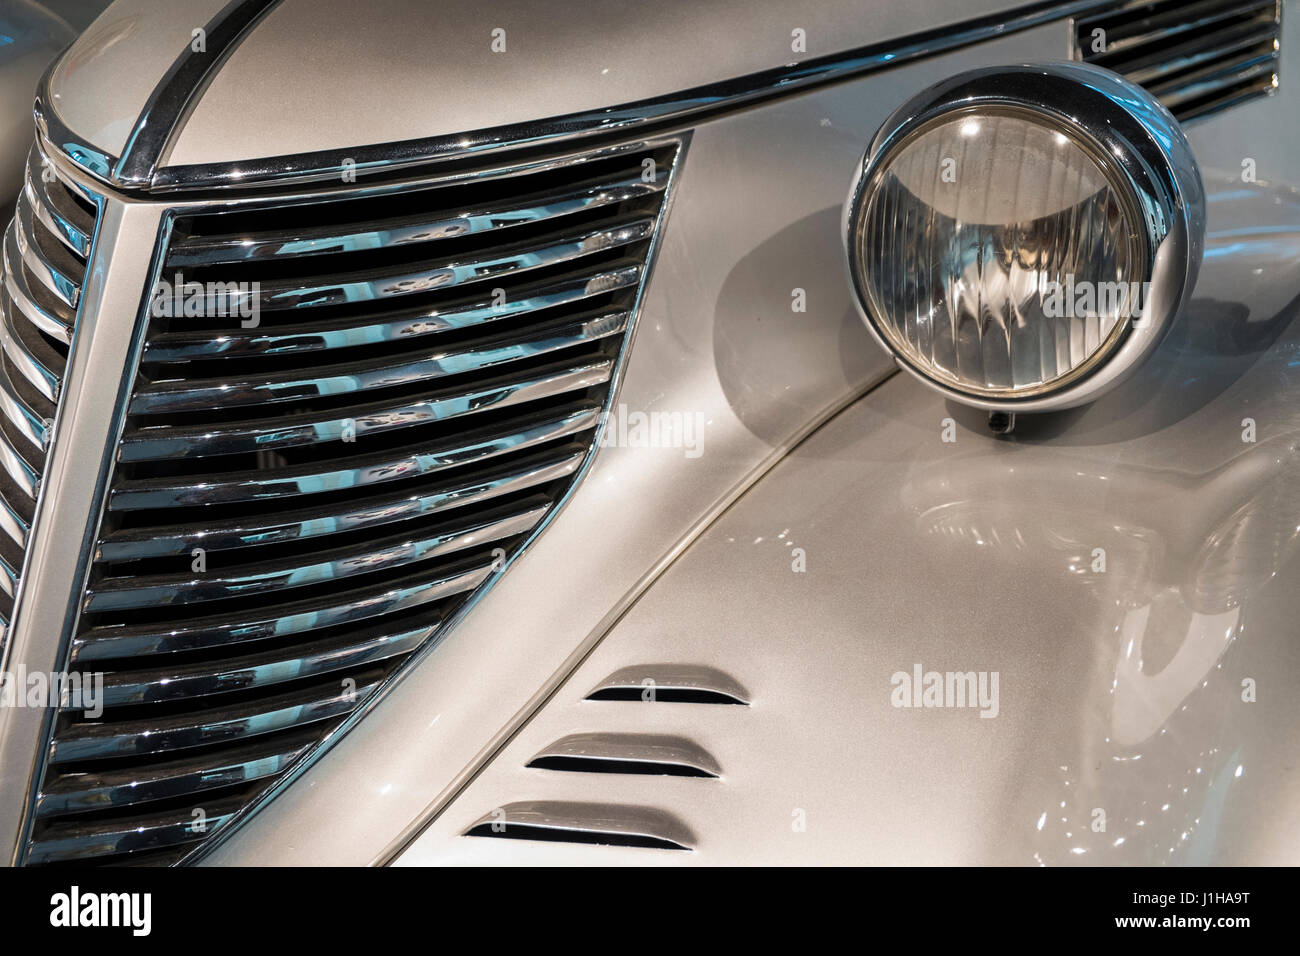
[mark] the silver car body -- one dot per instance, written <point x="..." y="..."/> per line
<point x="1120" y="691"/>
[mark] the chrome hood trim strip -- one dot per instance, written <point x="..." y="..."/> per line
<point x="141" y="170"/>
<point x="169" y="106"/>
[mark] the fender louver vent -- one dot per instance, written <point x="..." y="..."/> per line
<point x="603" y="824"/>
<point x="670" y="684"/>
<point x="422" y="386"/>
<point x="44" y="264"/>
<point x="646" y="754"/>
<point x="1197" y="56"/>
<point x="657" y="754"/>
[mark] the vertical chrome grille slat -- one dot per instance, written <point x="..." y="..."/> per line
<point x="50" y="320"/>
<point x="8" y="577"/>
<point x="52" y="264"/>
<point x="19" y="471"/>
<point x="26" y="418"/>
<point x="300" y="502"/>
<point x="13" y="521"/>
<point x="58" y="211"/>
<point x="42" y="265"/>
<point x="36" y="360"/>
<point x="1197" y="58"/>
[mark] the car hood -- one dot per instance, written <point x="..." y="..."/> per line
<point x="320" y="75"/>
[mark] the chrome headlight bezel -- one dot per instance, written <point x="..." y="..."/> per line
<point x="1145" y="156"/>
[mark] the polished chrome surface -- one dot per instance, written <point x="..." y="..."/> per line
<point x="171" y="395"/>
<point x="180" y="441"/>
<point x="150" y="736"/>
<point x="627" y="753"/>
<point x="177" y="92"/>
<point x="586" y="823"/>
<point x="1148" y="164"/>
<point x="110" y="790"/>
<point x="58" y="210"/>
<point x="967" y="274"/>
<point x="400" y="325"/>
<point x="1197" y="58"/>
<point x="411" y="228"/>
<point x="670" y="682"/>
<point x="342" y="512"/>
<point x="606" y="76"/>
<point x="358" y="472"/>
<point x="43" y="268"/>
<point x="162" y="835"/>
<point x="286" y="621"/>
<point x="117" y="593"/>
<point x="191" y="682"/>
<point x="317" y="291"/>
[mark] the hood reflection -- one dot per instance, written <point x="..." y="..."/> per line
<point x="1174" y="562"/>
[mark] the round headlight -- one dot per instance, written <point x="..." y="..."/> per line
<point x="1021" y="238"/>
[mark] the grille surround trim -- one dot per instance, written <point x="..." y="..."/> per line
<point x="675" y="147"/>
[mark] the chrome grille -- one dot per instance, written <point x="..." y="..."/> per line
<point x="1197" y="56"/>
<point x="422" y="386"/>
<point x="44" y="253"/>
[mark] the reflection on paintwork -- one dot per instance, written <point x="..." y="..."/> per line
<point x="1174" y="559"/>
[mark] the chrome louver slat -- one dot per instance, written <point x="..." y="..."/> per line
<point x="42" y="266"/>
<point x="1197" y="58"/>
<point x="652" y="754"/>
<point x="302" y="501"/>
<point x="594" y="823"/>
<point x="617" y="753"/>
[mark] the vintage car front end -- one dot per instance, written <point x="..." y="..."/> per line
<point x="460" y="434"/>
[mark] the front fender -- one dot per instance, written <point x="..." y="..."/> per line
<point x="1120" y="581"/>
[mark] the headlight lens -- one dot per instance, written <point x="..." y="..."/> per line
<point x="999" y="252"/>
